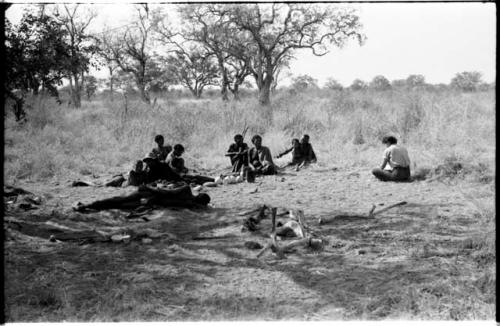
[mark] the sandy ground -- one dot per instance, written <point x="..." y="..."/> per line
<point x="415" y="261"/>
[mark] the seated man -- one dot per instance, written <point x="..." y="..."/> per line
<point x="175" y="161"/>
<point x="307" y="150"/>
<point x="150" y="196"/>
<point x="176" y="164"/>
<point x="238" y="153"/>
<point x="259" y="158"/>
<point x="397" y="158"/>
<point x="297" y="156"/>
<point x="161" y="151"/>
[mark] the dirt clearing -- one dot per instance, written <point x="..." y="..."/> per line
<point x="432" y="258"/>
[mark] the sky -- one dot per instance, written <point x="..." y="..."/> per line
<point x="436" y="40"/>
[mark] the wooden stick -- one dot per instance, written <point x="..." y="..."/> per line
<point x="372" y="213"/>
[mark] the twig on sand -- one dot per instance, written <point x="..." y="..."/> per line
<point x="371" y="213"/>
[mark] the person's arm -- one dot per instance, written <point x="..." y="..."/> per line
<point x="384" y="163"/>
<point x="285" y="152"/>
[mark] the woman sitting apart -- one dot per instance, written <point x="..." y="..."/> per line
<point x="397" y="158"/>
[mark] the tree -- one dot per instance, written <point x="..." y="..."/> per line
<point x="398" y="83"/>
<point x="277" y="30"/>
<point x="467" y="81"/>
<point x="415" y="81"/>
<point x="106" y="53"/>
<point x="34" y="51"/>
<point x="333" y="85"/>
<point x="81" y="46"/>
<point x="193" y="68"/>
<point x="303" y="82"/>
<point x="90" y="84"/>
<point x="358" y="84"/>
<point x="380" y="83"/>
<point x="132" y="50"/>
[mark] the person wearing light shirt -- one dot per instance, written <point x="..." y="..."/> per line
<point x="397" y="158"/>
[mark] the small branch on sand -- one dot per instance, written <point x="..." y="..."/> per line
<point x="371" y="214"/>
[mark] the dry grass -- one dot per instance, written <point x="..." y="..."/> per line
<point x="345" y="128"/>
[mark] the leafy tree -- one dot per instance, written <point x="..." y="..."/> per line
<point x="333" y="84"/>
<point x="467" y="81"/>
<point x="358" y="84"/>
<point x="276" y="30"/>
<point x="132" y="50"/>
<point x="90" y="83"/>
<point x="414" y="81"/>
<point x="193" y="68"/>
<point x="398" y="83"/>
<point x="380" y="83"/>
<point x="81" y="46"/>
<point x="303" y="82"/>
<point x="34" y="51"/>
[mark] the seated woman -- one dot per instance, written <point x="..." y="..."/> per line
<point x="149" y="196"/>
<point x="397" y="158"/>
<point x="297" y="155"/>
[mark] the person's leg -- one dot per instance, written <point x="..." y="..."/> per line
<point x="268" y="170"/>
<point x="129" y="201"/>
<point x="383" y="175"/>
<point x="401" y="174"/>
<point x="237" y="164"/>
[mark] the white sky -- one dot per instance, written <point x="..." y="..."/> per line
<point x="436" y="40"/>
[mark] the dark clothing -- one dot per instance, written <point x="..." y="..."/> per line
<point x="160" y="153"/>
<point x="308" y="152"/>
<point x="297" y="155"/>
<point x="180" y="197"/>
<point x="160" y="171"/>
<point x="240" y="159"/>
<point x="137" y="178"/>
<point x="261" y="160"/>
<point x="397" y="174"/>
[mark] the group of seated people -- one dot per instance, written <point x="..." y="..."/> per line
<point x="166" y="163"/>
<point x="259" y="158"/>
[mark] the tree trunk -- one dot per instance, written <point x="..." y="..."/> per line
<point x="236" y="92"/>
<point x="111" y="83"/>
<point x="75" y="91"/>
<point x="225" y="80"/>
<point x="265" y="92"/>
<point x="144" y="94"/>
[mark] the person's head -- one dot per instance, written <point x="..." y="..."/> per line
<point x="305" y="139"/>
<point x="159" y="140"/>
<point x="139" y="165"/>
<point x="389" y="140"/>
<point x="238" y="139"/>
<point x="178" y="149"/>
<point x="295" y="142"/>
<point x="149" y="160"/>
<point x="202" y="199"/>
<point x="257" y="141"/>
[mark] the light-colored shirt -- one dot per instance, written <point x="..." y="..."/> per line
<point x="397" y="156"/>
